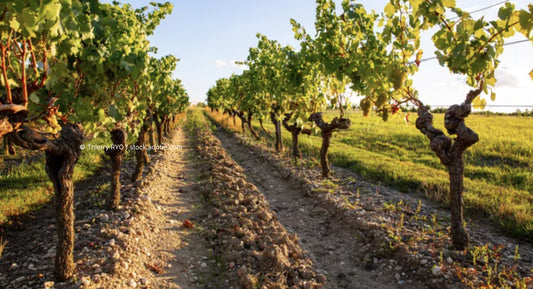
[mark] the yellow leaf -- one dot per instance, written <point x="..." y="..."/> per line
<point x="448" y="3"/>
<point x="531" y="74"/>
<point x="419" y="54"/>
<point x="479" y="103"/>
<point x="389" y="10"/>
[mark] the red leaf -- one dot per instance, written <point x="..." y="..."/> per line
<point x="188" y="224"/>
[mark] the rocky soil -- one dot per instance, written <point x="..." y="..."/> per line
<point x="246" y="235"/>
<point x="221" y="211"/>
<point x="396" y="234"/>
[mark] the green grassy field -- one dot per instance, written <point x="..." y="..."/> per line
<point x="498" y="178"/>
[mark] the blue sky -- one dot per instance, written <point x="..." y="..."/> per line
<point x="210" y="35"/>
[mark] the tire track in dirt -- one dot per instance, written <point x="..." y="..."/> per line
<point x="330" y="245"/>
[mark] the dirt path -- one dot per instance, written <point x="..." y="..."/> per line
<point x="177" y="250"/>
<point x="334" y="250"/>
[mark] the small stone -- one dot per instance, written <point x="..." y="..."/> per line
<point x="104" y="218"/>
<point x="449" y="260"/>
<point x="436" y="271"/>
<point x="20" y="279"/>
<point x="14" y="266"/>
<point x="32" y="267"/>
<point x="132" y="283"/>
<point x="49" y="284"/>
<point x="86" y="281"/>
<point x="143" y="281"/>
<point x="112" y="242"/>
<point x="397" y="276"/>
<point x="423" y="261"/>
<point x="321" y="278"/>
<point x="203" y="265"/>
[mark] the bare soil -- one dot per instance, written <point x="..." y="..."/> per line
<point x="332" y="246"/>
<point x="227" y="213"/>
<point x="375" y="233"/>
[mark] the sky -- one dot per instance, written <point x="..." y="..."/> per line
<point x="208" y="36"/>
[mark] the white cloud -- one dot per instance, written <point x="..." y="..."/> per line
<point x="511" y="78"/>
<point x="221" y="63"/>
<point x="231" y="63"/>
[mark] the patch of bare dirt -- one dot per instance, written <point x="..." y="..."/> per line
<point x="335" y="250"/>
<point x="251" y="244"/>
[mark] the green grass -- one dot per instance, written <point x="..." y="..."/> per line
<point x="499" y="169"/>
<point x="25" y="186"/>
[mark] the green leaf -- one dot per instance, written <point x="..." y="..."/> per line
<point x="113" y="112"/>
<point x="49" y="10"/>
<point x="505" y="12"/>
<point x="34" y="98"/>
<point x="492" y="96"/>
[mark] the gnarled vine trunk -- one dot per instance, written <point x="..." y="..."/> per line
<point x="277" y="124"/>
<point x="140" y="153"/>
<point x="60" y="164"/>
<point x="327" y="130"/>
<point x="251" y="128"/>
<point x="295" y="131"/>
<point x="451" y="154"/>
<point x="116" y="152"/>
<point x="9" y="147"/>
<point x="264" y="130"/>
<point x="151" y="134"/>
<point x="166" y="125"/>
<point x="62" y="155"/>
<point x="241" y="116"/>
<point x="159" y="128"/>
